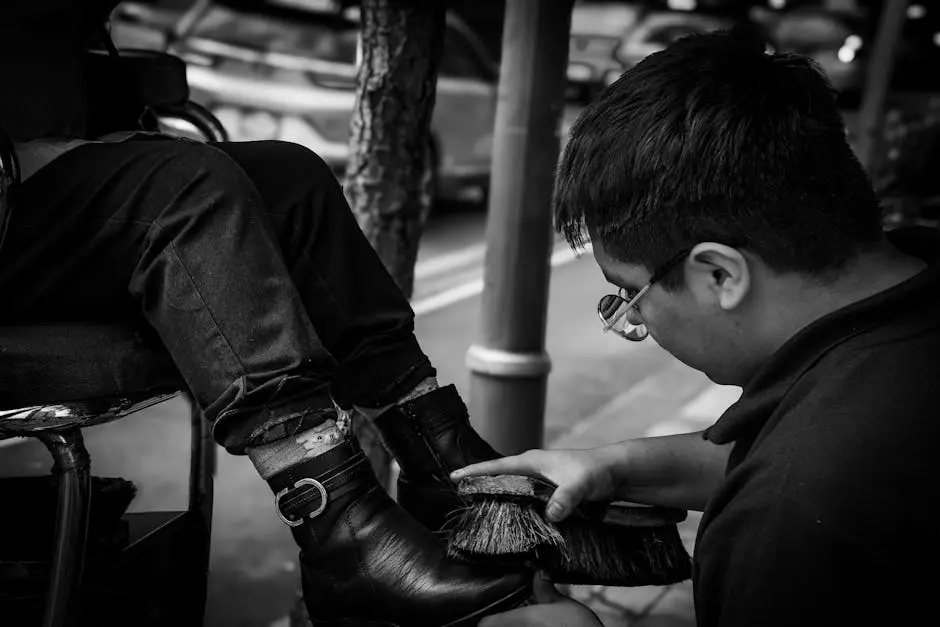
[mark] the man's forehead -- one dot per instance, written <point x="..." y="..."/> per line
<point x="619" y="272"/>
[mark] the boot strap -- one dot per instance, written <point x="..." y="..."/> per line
<point x="305" y="490"/>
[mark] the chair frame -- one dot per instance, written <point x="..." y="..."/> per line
<point x="71" y="466"/>
<point x="59" y="428"/>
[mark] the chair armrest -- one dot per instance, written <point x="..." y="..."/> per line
<point x="9" y="178"/>
<point x="194" y="114"/>
<point x="122" y="88"/>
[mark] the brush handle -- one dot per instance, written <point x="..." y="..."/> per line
<point x="640" y="515"/>
<point x="617" y="513"/>
<point x="528" y="491"/>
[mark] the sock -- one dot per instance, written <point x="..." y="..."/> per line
<point x="427" y="385"/>
<point x="273" y="457"/>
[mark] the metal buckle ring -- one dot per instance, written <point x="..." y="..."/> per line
<point x="313" y="514"/>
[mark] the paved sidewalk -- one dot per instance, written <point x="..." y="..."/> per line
<point x="680" y="402"/>
<point x="601" y="390"/>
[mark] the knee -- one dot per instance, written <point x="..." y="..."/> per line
<point x="282" y="175"/>
<point x="199" y="180"/>
<point x="297" y="162"/>
<point x="189" y="166"/>
<point x="211" y="165"/>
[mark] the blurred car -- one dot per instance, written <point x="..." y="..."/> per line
<point x="658" y="29"/>
<point x="833" y="40"/>
<point x="271" y="70"/>
<point x="917" y="67"/>
<point x="596" y="30"/>
<point x="841" y="42"/>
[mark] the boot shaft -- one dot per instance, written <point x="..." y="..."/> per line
<point x="431" y="436"/>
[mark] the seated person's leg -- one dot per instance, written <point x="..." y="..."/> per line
<point x="366" y="323"/>
<point x="167" y="230"/>
<point x="358" y="312"/>
<point x="177" y="231"/>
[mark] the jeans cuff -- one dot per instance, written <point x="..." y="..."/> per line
<point x="243" y="428"/>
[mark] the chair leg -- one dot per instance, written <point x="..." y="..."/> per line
<point x="72" y="469"/>
<point x="201" y="467"/>
<point x="201" y="473"/>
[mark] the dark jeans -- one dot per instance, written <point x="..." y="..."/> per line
<point x="245" y="259"/>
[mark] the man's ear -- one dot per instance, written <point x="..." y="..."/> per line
<point x="722" y="271"/>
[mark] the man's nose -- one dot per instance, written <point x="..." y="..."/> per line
<point x="633" y="317"/>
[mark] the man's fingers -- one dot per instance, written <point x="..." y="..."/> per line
<point x="530" y="615"/>
<point x="551" y="608"/>
<point x="531" y="464"/>
<point x="563" y="501"/>
<point x="512" y="618"/>
<point x="513" y="465"/>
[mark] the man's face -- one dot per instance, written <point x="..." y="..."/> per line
<point x="689" y="323"/>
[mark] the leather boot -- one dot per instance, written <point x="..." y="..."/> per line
<point x="430" y="437"/>
<point x="365" y="562"/>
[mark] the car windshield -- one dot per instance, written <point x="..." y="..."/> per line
<point x="610" y="19"/>
<point x="667" y="35"/>
<point x="274" y="34"/>
<point x="805" y="33"/>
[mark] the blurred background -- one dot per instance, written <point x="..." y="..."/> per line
<point x="286" y="69"/>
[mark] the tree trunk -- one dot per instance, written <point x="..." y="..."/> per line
<point x="389" y="176"/>
<point x="390" y="172"/>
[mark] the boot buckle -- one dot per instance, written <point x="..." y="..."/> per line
<point x="299" y="483"/>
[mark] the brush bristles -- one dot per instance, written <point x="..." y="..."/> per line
<point x="522" y="531"/>
<point x="620" y="556"/>
<point x="574" y="551"/>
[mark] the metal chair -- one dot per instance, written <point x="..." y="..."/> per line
<point x="57" y="379"/>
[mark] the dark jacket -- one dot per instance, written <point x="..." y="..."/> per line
<point x="828" y="514"/>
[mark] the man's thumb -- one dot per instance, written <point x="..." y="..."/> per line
<point x="564" y="499"/>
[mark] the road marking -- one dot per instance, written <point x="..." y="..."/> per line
<point x="448" y="297"/>
<point x="699" y="413"/>
<point x="656" y="398"/>
<point x="445" y="263"/>
<point x="671" y="427"/>
<point x="473" y="288"/>
<point x="711" y="403"/>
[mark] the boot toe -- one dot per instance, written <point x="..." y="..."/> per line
<point x="420" y="575"/>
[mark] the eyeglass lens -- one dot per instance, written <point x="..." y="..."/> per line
<point x="609" y="308"/>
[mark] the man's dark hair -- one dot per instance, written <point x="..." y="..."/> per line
<point x="715" y="140"/>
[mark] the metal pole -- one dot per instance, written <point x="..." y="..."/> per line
<point x="509" y="367"/>
<point x="878" y="79"/>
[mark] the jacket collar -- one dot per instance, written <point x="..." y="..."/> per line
<point x="910" y="304"/>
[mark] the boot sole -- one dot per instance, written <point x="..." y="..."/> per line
<point x="518" y="598"/>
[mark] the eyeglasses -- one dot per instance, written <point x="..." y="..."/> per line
<point x="613" y="308"/>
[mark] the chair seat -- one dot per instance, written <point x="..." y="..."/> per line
<point x="50" y="364"/>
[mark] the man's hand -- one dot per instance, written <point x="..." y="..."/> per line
<point x="678" y="471"/>
<point x="553" y="610"/>
<point x="581" y="475"/>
